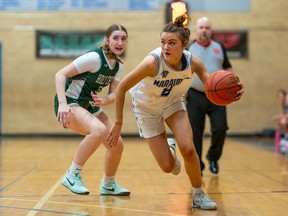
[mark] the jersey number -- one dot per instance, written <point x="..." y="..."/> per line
<point x="166" y="91"/>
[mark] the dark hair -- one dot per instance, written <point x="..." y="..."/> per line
<point x="178" y="27"/>
<point x="105" y="47"/>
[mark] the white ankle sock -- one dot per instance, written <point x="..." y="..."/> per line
<point x="197" y="190"/>
<point x="75" y="168"/>
<point x="108" y="179"/>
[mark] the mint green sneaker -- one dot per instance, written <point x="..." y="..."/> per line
<point x="203" y="202"/>
<point x="177" y="167"/>
<point x="113" y="189"/>
<point x="74" y="183"/>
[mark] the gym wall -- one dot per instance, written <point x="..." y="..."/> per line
<point x="28" y="82"/>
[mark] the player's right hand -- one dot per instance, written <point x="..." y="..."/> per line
<point x="64" y="111"/>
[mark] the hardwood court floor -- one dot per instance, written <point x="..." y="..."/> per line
<point x="252" y="181"/>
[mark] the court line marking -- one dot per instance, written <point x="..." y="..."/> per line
<point x="44" y="198"/>
<point x="109" y="207"/>
<point x="45" y="210"/>
<point x="50" y="192"/>
<point x="16" y="179"/>
<point x="97" y="206"/>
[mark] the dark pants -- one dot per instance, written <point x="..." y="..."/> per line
<point x="198" y="106"/>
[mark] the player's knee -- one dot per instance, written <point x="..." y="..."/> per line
<point x="188" y="153"/>
<point x="118" y="148"/>
<point x="99" y="132"/>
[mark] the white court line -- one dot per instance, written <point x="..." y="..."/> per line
<point x="43" y="200"/>
<point x="146" y="212"/>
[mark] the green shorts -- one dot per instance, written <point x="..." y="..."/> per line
<point x="71" y="101"/>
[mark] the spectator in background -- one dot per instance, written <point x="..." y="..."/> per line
<point x="281" y="119"/>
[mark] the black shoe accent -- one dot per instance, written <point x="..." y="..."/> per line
<point x="214" y="168"/>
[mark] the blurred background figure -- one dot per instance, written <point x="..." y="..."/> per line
<point x="281" y="119"/>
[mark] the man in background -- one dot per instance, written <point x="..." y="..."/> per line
<point x="213" y="55"/>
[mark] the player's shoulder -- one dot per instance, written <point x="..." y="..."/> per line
<point x="154" y="55"/>
<point x="187" y="54"/>
<point x="156" y="51"/>
<point x="91" y="54"/>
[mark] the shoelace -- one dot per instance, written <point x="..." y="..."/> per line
<point x="115" y="185"/>
<point x="202" y="198"/>
<point x="78" y="179"/>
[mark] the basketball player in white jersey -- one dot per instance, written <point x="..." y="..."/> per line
<point x="157" y="85"/>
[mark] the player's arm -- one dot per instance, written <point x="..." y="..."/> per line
<point x="228" y="67"/>
<point x="60" y="82"/>
<point x="110" y="98"/>
<point x="199" y="68"/>
<point x="146" y="68"/>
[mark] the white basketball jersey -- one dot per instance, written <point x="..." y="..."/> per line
<point x="167" y="87"/>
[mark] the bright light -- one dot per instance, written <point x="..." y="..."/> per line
<point x="179" y="8"/>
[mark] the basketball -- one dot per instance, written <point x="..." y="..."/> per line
<point x="221" y="87"/>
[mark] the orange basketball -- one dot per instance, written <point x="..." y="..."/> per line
<point x="221" y="87"/>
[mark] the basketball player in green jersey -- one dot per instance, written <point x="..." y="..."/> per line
<point x="78" y="107"/>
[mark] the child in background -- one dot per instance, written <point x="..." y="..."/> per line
<point x="282" y="120"/>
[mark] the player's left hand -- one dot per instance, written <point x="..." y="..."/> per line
<point x="114" y="135"/>
<point x="240" y="92"/>
<point x="98" y="101"/>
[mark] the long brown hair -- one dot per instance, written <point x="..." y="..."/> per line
<point x="105" y="46"/>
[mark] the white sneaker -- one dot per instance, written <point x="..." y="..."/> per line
<point x="177" y="167"/>
<point x="113" y="189"/>
<point x="203" y="202"/>
<point x="74" y="183"/>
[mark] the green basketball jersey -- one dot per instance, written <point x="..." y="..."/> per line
<point x="78" y="88"/>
